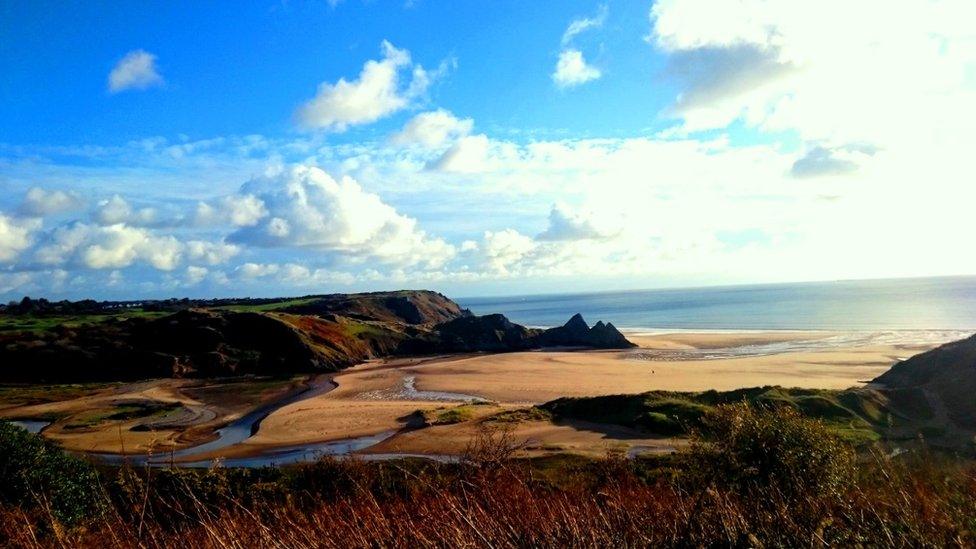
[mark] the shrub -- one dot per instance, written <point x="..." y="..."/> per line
<point x="37" y="473"/>
<point x="751" y="450"/>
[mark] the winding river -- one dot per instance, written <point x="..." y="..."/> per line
<point x="243" y="428"/>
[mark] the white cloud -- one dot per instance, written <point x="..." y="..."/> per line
<point x="432" y="129"/>
<point x="108" y="247"/>
<point x="565" y="224"/>
<point x="821" y="161"/>
<point x="377" y="93"/>
<point x="573" y="70"/>
<point x="468" y="155"/>
<point x="210" y="253"/>
<point x="195" y="275"/>
<point x="309" y="209"/>
<point x="583" y="24"/>
<point x="238" y="210"/>
<point x="117" y="210"/>
<point x="295" y="275"/>
<point x="136" y="71"/>
<point x="502" y="249"/>
<point x="890" y="74"/>
<point x="15" y="236"/>
<point x="39" y="202"/>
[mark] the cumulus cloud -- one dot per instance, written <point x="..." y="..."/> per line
<point x="117" y="210"/>
<point x="15" y="236"/>
<point x="502" y="249"/>
<point x="307" y="208"/>
<point x="39" y="202"/>
<point x="469" y="154"/>
<point x="294" y="274"/>
<point x="719" y="83"/>
<point x="565" y="224"/>
<point x="432" y="129"/>
<point x="195" y="275"/>
<point x="900" y="79"/>
<point x="210" y="253"/>
<point x="108" y="247"/>
<point x="136" y="71"/>
<point x="238" y="210"/>
<point x="377" y="93"/>
<point x="573" y="70"/>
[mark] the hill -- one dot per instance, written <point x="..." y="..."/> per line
<point x="947" y="376"/>
<point x="41" y="341"/>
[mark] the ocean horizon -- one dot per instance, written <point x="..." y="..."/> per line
<point x="935" y="303"/>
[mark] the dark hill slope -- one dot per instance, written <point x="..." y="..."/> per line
<point x="302" y="335"/>
<point x="415" y="307"/>
<point x="947" y="375"/>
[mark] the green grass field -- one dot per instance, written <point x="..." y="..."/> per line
<point x="36" y="324"/>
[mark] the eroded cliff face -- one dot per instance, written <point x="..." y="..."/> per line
<point x="318" y="334"/>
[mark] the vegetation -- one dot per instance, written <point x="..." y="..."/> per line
<point x="753" y="476"/>
<point x="121" y="412"/>
<point x="36" y="475"/>
<point x="456" y="414"/>
<point x="857" y="415"/>
<point x="23" y="395"/>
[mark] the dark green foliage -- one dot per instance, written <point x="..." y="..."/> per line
<point x="753" y="451"/>
<point x="36" y="473"/>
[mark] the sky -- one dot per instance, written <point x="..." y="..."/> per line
<point x="285" y="148"/>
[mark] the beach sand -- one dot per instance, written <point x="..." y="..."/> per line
<point x="522" y="379"/>
<point x="386" y="395"/>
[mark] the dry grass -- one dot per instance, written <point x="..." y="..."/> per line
<point x="491" y="500"/>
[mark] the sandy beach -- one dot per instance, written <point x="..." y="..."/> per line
<point x="387" y="395"/>
<point x="514" y="380"/>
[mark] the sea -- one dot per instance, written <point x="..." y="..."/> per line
<point x="946" y="305"/>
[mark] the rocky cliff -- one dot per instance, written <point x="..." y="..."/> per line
<point x="577" y="333"/>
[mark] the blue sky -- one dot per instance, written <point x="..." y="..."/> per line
<point x="505" y="148"/>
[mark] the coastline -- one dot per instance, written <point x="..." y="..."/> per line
<point x="379" y="401"/>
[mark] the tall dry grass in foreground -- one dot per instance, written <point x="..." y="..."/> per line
<point x="758" y="479"/>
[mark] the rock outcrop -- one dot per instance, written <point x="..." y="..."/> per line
<point x="492" y="333"/>
<point x="577" y="333"/>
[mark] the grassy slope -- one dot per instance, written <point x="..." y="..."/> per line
<point x="43" y="323"/>
<point x="857" y="415"/>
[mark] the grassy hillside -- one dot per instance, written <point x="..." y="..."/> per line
<point x="947" y="375"/>
<point x="62" y="342"/>
<point x="858" y="415"/>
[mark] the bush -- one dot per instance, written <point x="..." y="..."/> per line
<point x="751" y="450"/>
<point x="37" y="473"/>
